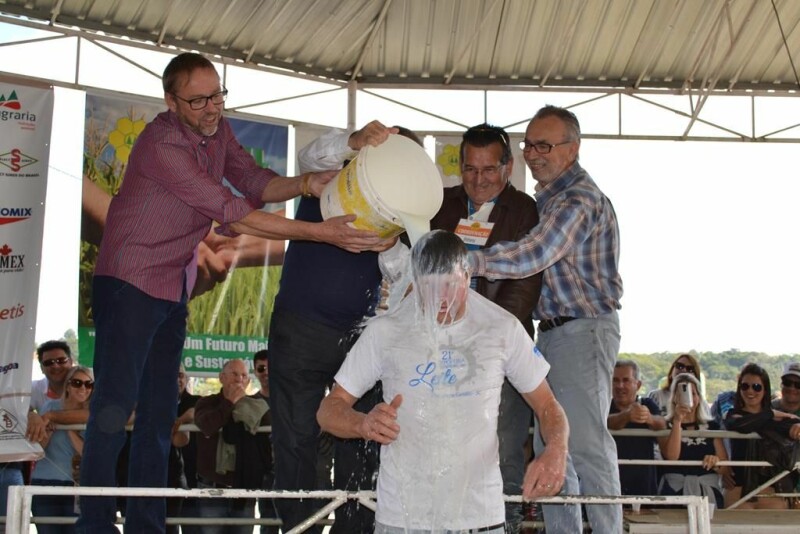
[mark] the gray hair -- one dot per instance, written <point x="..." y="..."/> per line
<point x="563" y="114"/>
<point x="629" y="363"/>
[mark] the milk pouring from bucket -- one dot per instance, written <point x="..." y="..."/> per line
<point x="389" y="187"/>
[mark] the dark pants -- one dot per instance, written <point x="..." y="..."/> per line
<point x="304" y="357"/>
<point x="355" y="465"/>
<point x="266" y="507"/>
<point x="53" y="506"/>
<point x="513" y="422"/>
<point x="138" y="344"/>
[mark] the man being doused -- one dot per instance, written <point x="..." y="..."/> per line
<point x="442" y="355"/>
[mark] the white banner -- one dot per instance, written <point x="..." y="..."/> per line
<point x="26" y="116"/>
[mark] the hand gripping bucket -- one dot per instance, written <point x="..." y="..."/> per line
<point x="385" y="186"/>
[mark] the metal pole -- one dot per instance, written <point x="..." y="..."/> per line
<point x="16" y="498"/>
<point x="352" y="88"/>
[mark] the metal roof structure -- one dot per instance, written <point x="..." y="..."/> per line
<point x="695" y="48"/>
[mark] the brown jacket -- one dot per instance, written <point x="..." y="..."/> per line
<point x="514" y="215"/>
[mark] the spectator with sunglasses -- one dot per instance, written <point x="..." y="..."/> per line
<point x="62" y="449"/>
<point x="689" y="411"/>
<point x="684" y="363"/>
<point x="55" y="360"/>
<point x="789" y="402"/>
<point x="779" y="432"/>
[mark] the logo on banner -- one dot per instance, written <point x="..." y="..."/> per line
<point x="14" y="312"/>
<point x="8" y="422"/>
<point x="12" y="102"/>
<point x="11" y="263"/>
<point x="12" y="215"/>
<point x="10" y="107"/>
<point x="16" y="159"/>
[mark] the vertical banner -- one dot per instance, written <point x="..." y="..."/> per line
<point x="26" y="117"/>
<point x="231" y="306"/>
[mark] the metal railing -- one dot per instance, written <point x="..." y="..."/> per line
<point x="23" y="494"/>
<point x="18" y="520"/>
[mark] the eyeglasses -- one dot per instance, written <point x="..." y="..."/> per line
<point x="88" y="384"/>
<point x="790" y="383"/>
<point x="55" y="361"/>
<point x="261" y="368"/>
<point x="744" y="386"/>
<point x="540" y="147"/>
<point x="469" y="171"/>
<point x="202" y="101"/>
<point x="683" y="368"/>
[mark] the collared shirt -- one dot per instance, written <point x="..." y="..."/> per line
<point x="575" y="244"/>
<point x="171" y="192"/>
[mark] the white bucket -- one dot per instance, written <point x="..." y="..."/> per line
<point x="387" y="187"/>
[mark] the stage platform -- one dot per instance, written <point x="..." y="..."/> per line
<point x="655" y="521"/>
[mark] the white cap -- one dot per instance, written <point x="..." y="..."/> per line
<point x="792" y="368"/>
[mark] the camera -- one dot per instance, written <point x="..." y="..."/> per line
<point x="684" y="394"/>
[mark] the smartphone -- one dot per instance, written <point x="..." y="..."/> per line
<point x="684" y="393"/>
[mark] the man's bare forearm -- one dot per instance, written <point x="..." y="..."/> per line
<point x="336" y="417"/>
<point x="554" y="426"/>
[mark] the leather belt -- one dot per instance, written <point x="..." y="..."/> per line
<point x="549" y="324"/>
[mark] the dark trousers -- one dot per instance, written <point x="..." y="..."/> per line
<point x="304" y="357"/>
<point x="266" y="507"/>
<point x="53" y="506"/>
<point x="355" y="466"/>
<point x="138" y="343"/>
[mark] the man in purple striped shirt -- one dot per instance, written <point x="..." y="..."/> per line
<point x="147" y="266"/>
<point x="576" y="246"/>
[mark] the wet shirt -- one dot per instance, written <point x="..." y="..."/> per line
<point x="443" y="470"/>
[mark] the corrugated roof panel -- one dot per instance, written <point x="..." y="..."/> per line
<point x="603" y="43"/>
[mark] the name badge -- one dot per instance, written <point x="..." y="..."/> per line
<point x="474" y="232"/>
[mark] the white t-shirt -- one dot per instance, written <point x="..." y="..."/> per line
<point x="443" y="471"/>
<point x="39" y="394"/>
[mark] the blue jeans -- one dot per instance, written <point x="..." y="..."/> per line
<point x="10" y="475"/>
<point x="380" y="528"/>
<point x="582" y="354"/>
<point x="513" y="423"/>
<point x="138" y="344"/>
<point x="53" y="506"/>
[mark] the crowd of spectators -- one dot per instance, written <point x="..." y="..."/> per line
<point x="679" y="405"/>
<point x="223" y="419"/>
